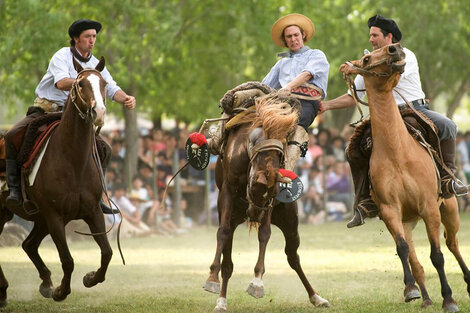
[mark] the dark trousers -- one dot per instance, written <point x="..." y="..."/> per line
<point x="308" y="112"/>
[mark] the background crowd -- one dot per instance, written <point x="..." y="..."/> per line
<point x="328" y="192"/>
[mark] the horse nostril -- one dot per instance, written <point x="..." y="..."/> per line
<point x="392" y="50"/>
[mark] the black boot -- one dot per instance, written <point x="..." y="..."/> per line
<point x="365" y="208"/>
<point x="448" y="184"/>
<point x="103" y="206"/>
<point x="13" y="171"/>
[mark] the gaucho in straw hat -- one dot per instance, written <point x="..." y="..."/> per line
<point x="301" y="71"/>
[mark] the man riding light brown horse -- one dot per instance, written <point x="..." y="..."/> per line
<point x="403" y="176"/>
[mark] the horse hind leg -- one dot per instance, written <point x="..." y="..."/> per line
<point x="30" y="246"/>
<point x="5" y="216"/>
<point x="437" y="258"/>
<point x="287" y="220"/>
<point x="97" y="226"/>
<point x="416" y="269"/>
<point x="451" y="220"/>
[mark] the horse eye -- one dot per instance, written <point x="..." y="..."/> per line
<point x="80" y="83"/>
<point x="366" y="60"/>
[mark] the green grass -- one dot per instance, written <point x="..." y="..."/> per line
<point x="357" y="270"/>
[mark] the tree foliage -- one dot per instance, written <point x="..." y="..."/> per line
<point x="178" y="57"/>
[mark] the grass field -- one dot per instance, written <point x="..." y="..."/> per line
<point x="357" y="270"/>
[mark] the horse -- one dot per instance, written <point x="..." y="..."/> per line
<point x="404" y="179"/>
<point x="247" y="177"/>
<point x="67" y="186"/>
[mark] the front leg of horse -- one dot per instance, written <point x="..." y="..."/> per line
<point x="256" y="287"/>
<point x="3" y="289"/>
<point x="97" y="226"/>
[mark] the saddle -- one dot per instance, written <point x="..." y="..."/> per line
<point x="419" y="126"/>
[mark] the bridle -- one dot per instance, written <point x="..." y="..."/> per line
<point x="262" y="146"/>
<point x="75" y="93"/>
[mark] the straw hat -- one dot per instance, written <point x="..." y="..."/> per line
<point x="291" y="19"/>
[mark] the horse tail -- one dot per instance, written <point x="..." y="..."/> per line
<point x="253" y="225"/>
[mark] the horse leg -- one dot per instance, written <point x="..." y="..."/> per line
<point x="30" y="246"/>
<point x="287" y="220"/>
<point x="97" y="226"/>
<point x="225" y="210"/>
<point x="451" y="220"/>
<point x="433" y="223"/>
<point x="416" y="269"/>
<point x="256" y="288"/>
<point x="5" y="217"/>
<point x="394" y="225"/>
<point x="57" y="231"/>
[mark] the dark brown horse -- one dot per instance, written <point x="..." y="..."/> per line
<point x="67" y="186"/>
<point x="403" y="177"/>
<point x="247" y="177"/>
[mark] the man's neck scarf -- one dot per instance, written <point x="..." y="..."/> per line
<point x="78" y="56"/>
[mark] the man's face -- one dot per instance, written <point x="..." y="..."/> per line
<point x="86" y="41"/>
<point x="377" y="38"/>
<point x="294" y="38"/>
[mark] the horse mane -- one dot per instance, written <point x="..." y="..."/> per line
<point x="274" y="115"/>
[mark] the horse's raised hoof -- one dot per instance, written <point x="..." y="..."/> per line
<point x="89" y="280"/>
<point x="449" y="305"/>
<point x="221" y="306"/>
<point x="411" y="293"/>
<point x="60" y="295"/>
<point x="255" y="291"/>
<point x="46" y="291"/>
<point x="426" y="303"/>
<point x="212" y="286"/>
<point x="318" y="301"/>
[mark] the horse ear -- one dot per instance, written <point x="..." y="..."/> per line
<point x="77" y="65"/>
<point x="100" y="66"/>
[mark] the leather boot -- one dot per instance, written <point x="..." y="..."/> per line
<point x="13" y="171"/>
<point x="103" y="206"/>
<point x="448" y="184"/>
<point x="216" y="140"/>
<point x="297" y="144"/>
<point x="364" y="206"/>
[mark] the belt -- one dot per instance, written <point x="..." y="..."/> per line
<point x="47" y="105"/>
<point x="419" y="103"/>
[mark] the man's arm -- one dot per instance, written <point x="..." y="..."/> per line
<point x="123" y="98"/>
<point x="65" y="84"/>
<point x="299" y="80"/>
<point x="344" y="101"/>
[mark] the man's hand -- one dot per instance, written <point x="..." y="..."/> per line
<point x="129" y="102"/>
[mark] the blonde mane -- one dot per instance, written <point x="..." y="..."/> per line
<point x="275" y="116"/>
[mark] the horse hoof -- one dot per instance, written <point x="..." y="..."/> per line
<point x="46" y="291"/>
<point x="212" y="286"/>
<point x="426" y="303"/>
<point x="450" y="306"/>
<point x="412" y="293"/>
<point x="3" y="303"/>
<point x="255" y="291"/>
<point x="58" y="295"/>
<point x="89" y="280"/>
<point x="221" y="306"/>
<point x="318" y="301"/>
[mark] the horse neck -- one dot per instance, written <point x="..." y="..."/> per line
<point x="76" y="135"/>
<point x="386" y="121"/>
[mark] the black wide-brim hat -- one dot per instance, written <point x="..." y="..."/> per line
<point x="83" y="24"/>
<point x="386" y="24"/>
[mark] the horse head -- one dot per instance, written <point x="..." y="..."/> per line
<point x="266" y="153"/>
<point x="381" y="67"/>
<point x="88" y="93"/>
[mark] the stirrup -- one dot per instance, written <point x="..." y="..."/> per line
<point x="357" y="219"/>
<point x="106" y="209"/>
<point x="458" y="188"/>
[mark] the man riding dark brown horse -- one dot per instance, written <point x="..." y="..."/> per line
<point x="52" y="93"/>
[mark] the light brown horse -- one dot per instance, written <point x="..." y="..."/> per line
<point x="67" y="187"/>
<point x="403" y="177"/>
<point x="247" y="177"/>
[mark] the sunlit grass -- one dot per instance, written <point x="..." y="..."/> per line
<point x="357" y="270"/>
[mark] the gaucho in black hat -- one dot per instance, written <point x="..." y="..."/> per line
<point x="52" y="92"/>
<point x="382" y="32"/>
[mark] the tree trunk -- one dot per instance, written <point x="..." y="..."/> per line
<point x="455" y="101"/>
<point x="131" y="140"/>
